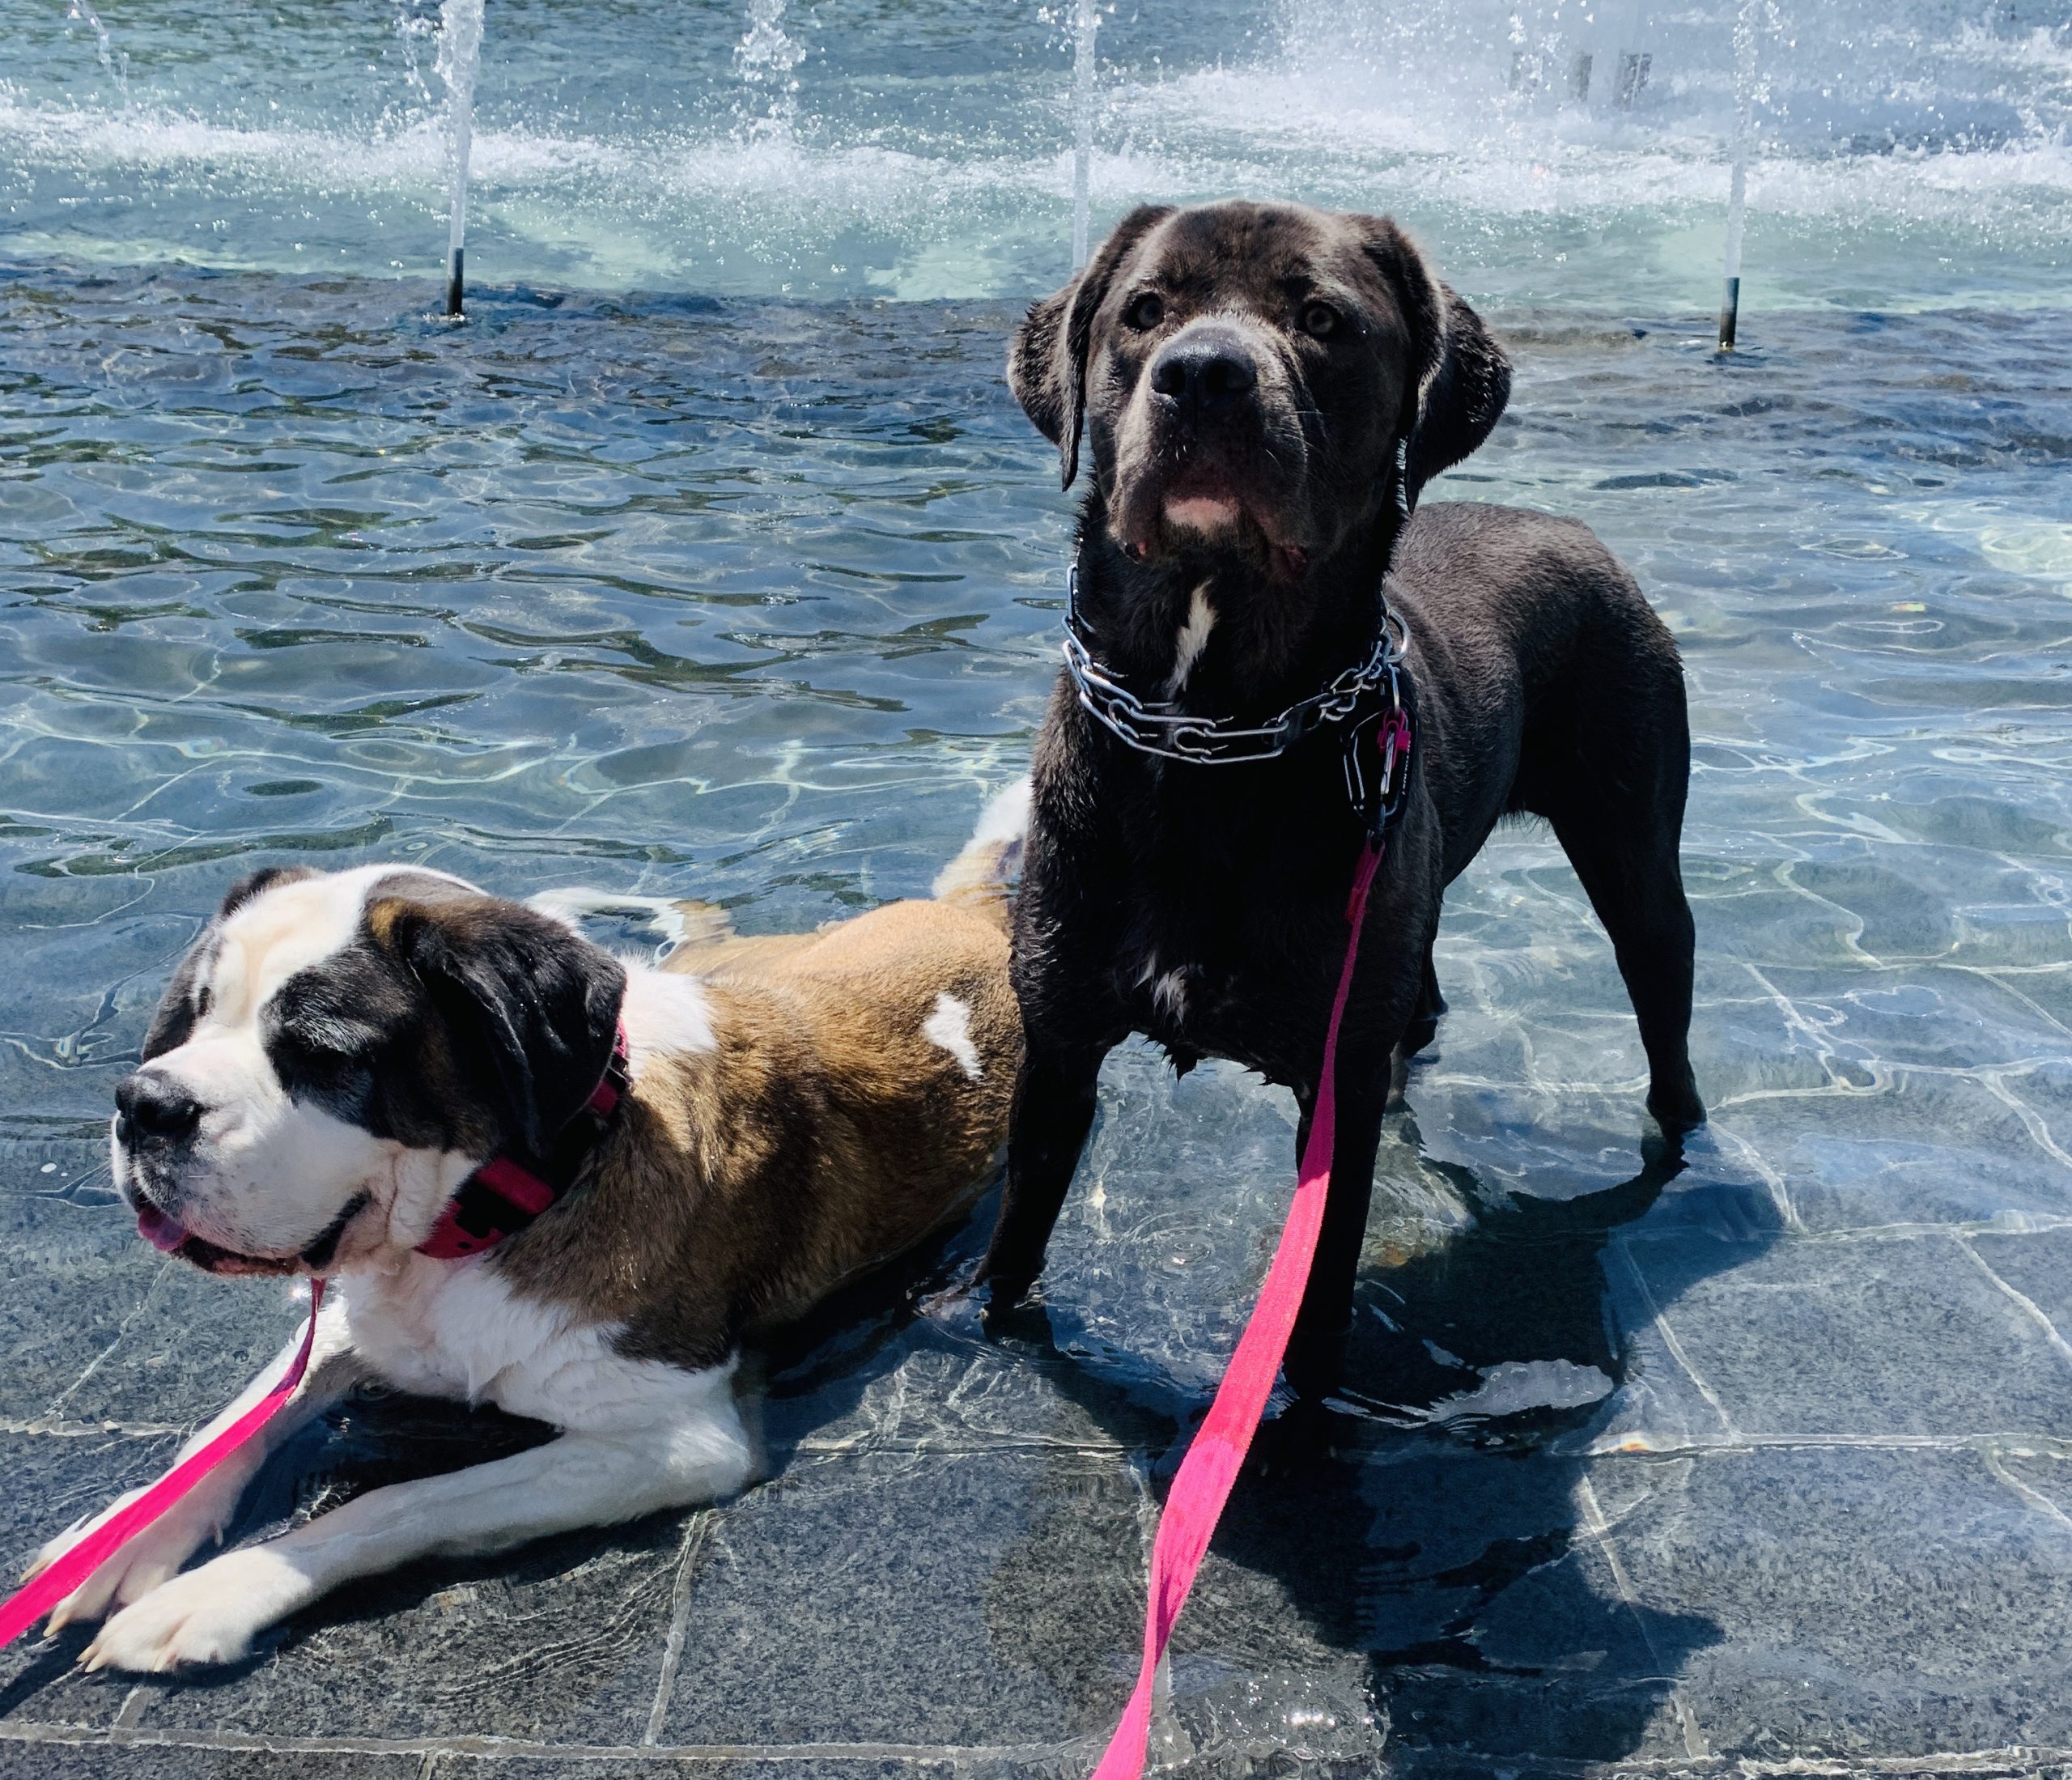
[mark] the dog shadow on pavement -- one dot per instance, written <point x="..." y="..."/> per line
<point x="1449" y="1521"/>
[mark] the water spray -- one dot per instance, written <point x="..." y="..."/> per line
<point x="115" y="62"/>
<point x="765" y="59"/>
<point x="1737" y="193"/>
<point x="1085" y="22"/>
<point x="459" y="57"/>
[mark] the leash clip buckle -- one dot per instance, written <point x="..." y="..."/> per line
<point x="1377" y="791"/>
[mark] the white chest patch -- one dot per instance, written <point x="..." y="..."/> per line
<point x="1192" y="639"/>
<point x="1169" y="993"/>
<point x="949" y="1026"/>
<point x="456" y="1330"/>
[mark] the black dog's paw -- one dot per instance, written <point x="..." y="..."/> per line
<point x="960" y="1308"/>
<point x="1305" y="1434"/>
<point x="976" y="1309"/>
<point x="1676" y="1107"/>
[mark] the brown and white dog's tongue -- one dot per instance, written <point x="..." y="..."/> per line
<point x="159" y="1230"/>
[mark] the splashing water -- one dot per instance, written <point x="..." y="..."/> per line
<point x="1918" y="152"/>
<point x="115" y="60"/>
<point x="1085" y="23"/>
<point x="459" y="61"/>
<point x="1746" y="66"/>
<point x="765" y="59"/>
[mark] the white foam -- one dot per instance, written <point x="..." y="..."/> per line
<point x="1518" y="1386"/>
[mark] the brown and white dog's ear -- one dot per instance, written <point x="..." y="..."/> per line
<point x="1046" y="363"/>
<point x="532" y="1008"/>
<point x="1463" y="376"/>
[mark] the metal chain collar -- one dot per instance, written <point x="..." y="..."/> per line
<point x="1157" y="726"/>
<point x="1160" y="727"/>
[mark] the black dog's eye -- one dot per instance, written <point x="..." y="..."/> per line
<point x="1319" y="320"/>
<point x="1145" y="311"/>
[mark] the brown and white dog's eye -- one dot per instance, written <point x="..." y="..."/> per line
<point x="1319" y="320"/>
<point x="1145" y="311"/>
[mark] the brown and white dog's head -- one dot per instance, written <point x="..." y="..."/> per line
<point x="336" y="1053"/>
<point x="1242" y="373"/>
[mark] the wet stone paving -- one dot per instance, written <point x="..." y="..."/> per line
<point x="1756" y="1462"/>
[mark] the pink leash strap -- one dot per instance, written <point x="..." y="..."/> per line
<point x="29" y="1603"/>
<point x="1195" y="1504"/>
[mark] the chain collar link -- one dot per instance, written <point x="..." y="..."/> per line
<point x="1160" y="727"/>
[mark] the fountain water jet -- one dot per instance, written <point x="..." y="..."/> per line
<point x="115" y="62"/>
<point x="460" y="58"/>
<point x="766" y="57"/>
<point x="1086" y="22"/>
<point x="1737" y="196"/>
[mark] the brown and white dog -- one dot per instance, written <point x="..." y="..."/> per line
<point x="338" y="1055"/>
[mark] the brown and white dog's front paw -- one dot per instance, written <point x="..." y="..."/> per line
<point x="141" y="1565"/>
<point x="209" y="1615"/>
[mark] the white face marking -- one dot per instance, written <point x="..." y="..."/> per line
<point x="949" y="1026"/>
<point x="1192" y="639"/>
<point x="266" y="1175"/>
<point x="1208" y="515"/>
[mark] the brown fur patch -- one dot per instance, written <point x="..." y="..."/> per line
<point x="823" y="1133"/>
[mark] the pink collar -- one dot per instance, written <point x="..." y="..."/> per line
<point x="505" y="1194"/>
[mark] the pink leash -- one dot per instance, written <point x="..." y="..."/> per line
<point x="499" y="1197"/>
<point x="26" y="1605"/>
<point x="1195" y="1501"/>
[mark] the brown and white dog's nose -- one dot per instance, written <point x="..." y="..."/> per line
<point x="150" y="1107"/>
<point x="1204" y="372"/>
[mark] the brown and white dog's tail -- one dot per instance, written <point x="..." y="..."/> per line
<point x="980" y="875"/>
<point x="679" y="921"/>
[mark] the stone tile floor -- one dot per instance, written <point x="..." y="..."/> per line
<point x="1660" y="1483"/>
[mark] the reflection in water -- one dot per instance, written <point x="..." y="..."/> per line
<point x="1439" y="1522"/>
<point x="755" y="600"/>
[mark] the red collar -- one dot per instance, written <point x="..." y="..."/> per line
<point x="505" y="1194"/>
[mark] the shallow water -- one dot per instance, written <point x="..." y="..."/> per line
<point x="751" y="592"/>
<point x="756" y="601"/>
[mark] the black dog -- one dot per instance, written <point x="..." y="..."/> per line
<point x="1264" y="389"/>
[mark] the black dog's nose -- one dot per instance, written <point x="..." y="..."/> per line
<point x="150" y="1107"/>
<point x="1205" y="369"/>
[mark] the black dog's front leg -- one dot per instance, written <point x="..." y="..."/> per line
<point x="1315" y="1349"/>
<point x="1054" y="1100"/>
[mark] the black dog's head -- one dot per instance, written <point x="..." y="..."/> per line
<point x="1243" y="373"/>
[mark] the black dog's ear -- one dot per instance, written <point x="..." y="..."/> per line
<point x="1046" y="363"/>
<point x="1463" y="375"/>
<point x="533" y="1008"/>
